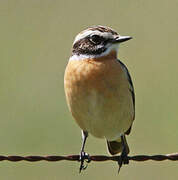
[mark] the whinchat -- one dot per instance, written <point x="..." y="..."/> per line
<point x="99" y="90"/>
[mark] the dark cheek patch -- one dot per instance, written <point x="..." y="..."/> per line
<point x="84" y="46"/>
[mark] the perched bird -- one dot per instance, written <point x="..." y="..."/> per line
<point x="99" y="90"/>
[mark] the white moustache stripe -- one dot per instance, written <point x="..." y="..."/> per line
<point x="91" y="56"/>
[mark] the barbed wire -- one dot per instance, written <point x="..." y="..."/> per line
<point x="98" y="158"/>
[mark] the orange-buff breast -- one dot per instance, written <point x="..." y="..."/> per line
<point x="98" y="96"/>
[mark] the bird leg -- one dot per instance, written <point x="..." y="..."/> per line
<point x="83" y="156"/>
<point x="123" y="159"/>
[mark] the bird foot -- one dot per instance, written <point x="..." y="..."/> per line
<point x="123" y="159"/>
<point x="84" y="157"/>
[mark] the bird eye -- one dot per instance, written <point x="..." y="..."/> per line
<point x="96" y="39"/>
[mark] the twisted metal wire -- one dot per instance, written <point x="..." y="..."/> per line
<point x="138" y="158"/>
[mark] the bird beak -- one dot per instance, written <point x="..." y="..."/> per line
<point x="121" y="39"/>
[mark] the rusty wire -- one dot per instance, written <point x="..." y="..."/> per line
<point x="138" y="158"/>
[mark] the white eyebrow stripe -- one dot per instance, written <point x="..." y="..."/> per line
<point x="90" y="32"/>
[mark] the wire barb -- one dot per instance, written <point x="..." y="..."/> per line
<point x="97" y="158"/>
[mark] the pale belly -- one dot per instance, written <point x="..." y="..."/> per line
<point x="103" y="117"/>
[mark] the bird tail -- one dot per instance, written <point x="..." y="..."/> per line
<point x="115" y="147"/>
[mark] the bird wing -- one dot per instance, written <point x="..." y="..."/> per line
<point x="131" y="88"/>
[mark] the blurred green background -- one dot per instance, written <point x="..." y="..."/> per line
<point x="35" y="42"/>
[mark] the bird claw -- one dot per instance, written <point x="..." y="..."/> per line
<point x="123" y="159"/>
<point x="84" y="157"/>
